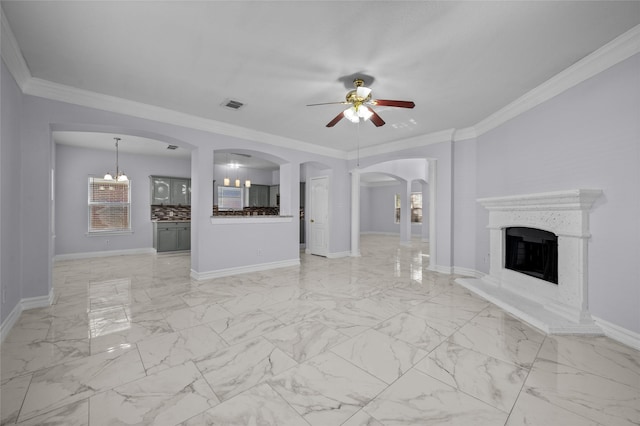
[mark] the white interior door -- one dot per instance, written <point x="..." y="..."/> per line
<point x="319" y="217"/>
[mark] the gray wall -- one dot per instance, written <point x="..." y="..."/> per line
<point x="10" y="194"/>
<point x="586" y="137"/>
<point x="215" y="248"/>
<point x="464" y="204"/>
<point x="73" y="167"/>
<point x="378" y="214"/>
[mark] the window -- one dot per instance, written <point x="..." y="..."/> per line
<point x="416" y="207"/>
<point x="109" y="205"/>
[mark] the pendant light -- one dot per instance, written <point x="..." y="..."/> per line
<point x="119" y="176"/>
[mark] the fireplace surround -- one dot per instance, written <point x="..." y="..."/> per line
<point x="555" y="309"/>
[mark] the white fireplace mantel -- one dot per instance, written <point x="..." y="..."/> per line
<point x="556" y="309"/>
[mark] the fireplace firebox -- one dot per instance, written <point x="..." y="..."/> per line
<point x="533" y="252"/>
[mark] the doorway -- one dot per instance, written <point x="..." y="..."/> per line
<point x="319" y="216"/>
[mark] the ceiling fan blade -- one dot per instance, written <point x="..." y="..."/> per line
<point x="335" y="120"/>
<point x="386" y="102"/>
<point x="376" y="119"/>
<point x="329" y="103"/>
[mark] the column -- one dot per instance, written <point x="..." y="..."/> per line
<point x="355" y="213"/>
<point x="405" y="214"/>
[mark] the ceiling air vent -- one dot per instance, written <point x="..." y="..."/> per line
<point x="232" y="104"/>
<point x="172" y="147"/>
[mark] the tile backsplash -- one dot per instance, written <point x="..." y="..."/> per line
<point x="167" y="213"/>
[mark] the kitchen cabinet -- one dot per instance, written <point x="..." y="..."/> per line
<point x="180" y="192"/>
<point x="160" y="190"/>
<point x="258" y="196"/>
<point x="171" y="236"/>
<point x="170" y="191"/>
<point x="274" y="196"/>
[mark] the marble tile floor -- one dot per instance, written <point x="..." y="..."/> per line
<point x="375" y="340"/>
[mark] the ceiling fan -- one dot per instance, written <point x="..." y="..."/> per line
<point x="361" y="103"/>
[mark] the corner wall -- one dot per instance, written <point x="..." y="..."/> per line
<point x="587" y="137"/>
<point x="10" y="195"/>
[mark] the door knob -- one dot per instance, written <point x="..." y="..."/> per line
<point x="312" y="221"/>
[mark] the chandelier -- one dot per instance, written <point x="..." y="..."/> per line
<point x="119" y="176"/>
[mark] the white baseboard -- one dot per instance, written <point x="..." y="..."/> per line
<point x="441" y="269"/>
<point x="23" y="305"/>
<point x="200" y="276"/>
<point x="395" y="234"/>
<point x="338" y="255"/>
<point x="619" y="334"/>
<point x="10" y="321"/>
<point x="87" y="255"/>
<point x="459" y="270"/>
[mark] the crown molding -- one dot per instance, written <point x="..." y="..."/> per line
<point x="612" y="53"/>
<point x="619" y="49"/>
<point x="404" y="144"/>
<point x="12" y="54"/>
<point x="464" y="134"/>
<point x="63" y="93"/>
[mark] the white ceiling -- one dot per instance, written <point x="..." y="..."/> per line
<point x="458" y="61"/>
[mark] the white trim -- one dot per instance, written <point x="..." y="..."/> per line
<point x="468" y="272"/>
<point x="37" y="302"/>
<point x="106" y="253"/>
<point x="12" y="55"/>
<point x="10" y="321"/>
<point x="612" y="53"/>
<point x="244" y="220"/>
<point x="380" y="183"/>
<point x="396" y="234"/>
<point x="339" y="254"/>
<point x="403" y="144"/>
<point x="464" y="134"/>
<point x="618" y="333"/>
<point x="23" y="305"/>
<point x="200" y="276"/>
<point x="440" y="269"/>
<point x="108" y="233"/>
<point x="527" y="310"/>
<point x="63" y="93"/>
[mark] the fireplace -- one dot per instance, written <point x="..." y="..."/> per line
<point x="548" y="291"/>
<point x="532" y="251"/>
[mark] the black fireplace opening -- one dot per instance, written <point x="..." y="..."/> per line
<point x="533" y="252"/>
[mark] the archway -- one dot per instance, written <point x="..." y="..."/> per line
<point x="419" y="170"/>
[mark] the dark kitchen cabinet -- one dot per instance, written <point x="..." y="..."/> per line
<point x="170" y="191"/>
<point x="171" y="236"/>
<point x="258" y="196"/>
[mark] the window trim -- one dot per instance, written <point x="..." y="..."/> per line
<point x="99" y="232"/>
<point x="398" y="209"/>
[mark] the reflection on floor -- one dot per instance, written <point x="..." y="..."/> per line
<point x="376" y="340"/>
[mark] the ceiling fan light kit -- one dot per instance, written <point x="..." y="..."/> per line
<point x="361" y="102"/>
